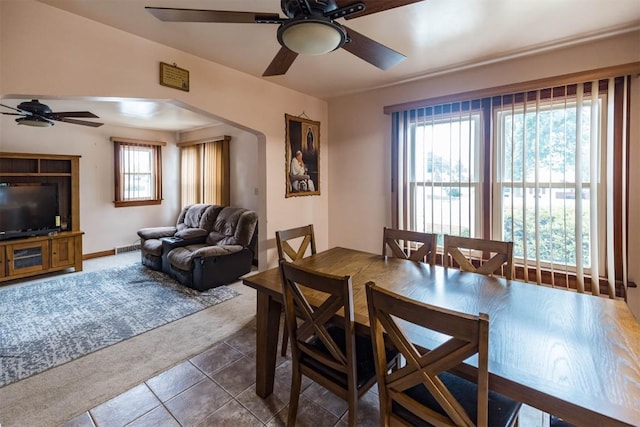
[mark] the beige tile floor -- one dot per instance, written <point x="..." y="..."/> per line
<point x="217" y="388"/>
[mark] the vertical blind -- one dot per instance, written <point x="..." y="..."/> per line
<point x="204" y="173"/>
<point x="544" y="168"/>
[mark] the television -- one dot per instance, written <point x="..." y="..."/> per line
<point x="28" y="210"/>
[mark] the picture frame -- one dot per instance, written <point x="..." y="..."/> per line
<point x="302" y="154"/>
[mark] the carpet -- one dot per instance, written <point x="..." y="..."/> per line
<point x="49" y="323"/>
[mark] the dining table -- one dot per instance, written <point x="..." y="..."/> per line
<point x="573" y="355"/>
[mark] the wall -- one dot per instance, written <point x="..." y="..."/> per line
<point x="360" y="137"/>
<point x="82" y="58"/>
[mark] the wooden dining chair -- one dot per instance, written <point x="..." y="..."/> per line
<point x="324" y="345"/>
<point x="500" y="255"/>
<point x="407" y="244"/>
<point x="423" y="392"/>
<point x="306" y="245"/>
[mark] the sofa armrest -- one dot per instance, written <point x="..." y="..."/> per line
<point x="216" y="250"/>
<point x="156" y="232"/>
<point x="192" y="233"/>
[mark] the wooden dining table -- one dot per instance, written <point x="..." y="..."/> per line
<point x="572" y="355"/>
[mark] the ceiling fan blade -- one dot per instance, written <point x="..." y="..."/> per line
<point x="371" y="51"/>
<point x="169" y="14"/>
<point x="281" y="62"/>
<point x="9" y="107"/>
<point x="12" y="114"/>
<point x="80" y="122"/>
<point x="375" y="6"/>
<point x="86" y="114"/>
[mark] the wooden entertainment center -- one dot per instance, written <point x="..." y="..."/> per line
<point x="24" y="257"/>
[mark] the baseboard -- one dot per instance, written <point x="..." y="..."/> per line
<point x="98" y="254"/>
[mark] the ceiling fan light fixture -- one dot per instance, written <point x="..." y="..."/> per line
<point x="312" y="36"/>
<point x="34" y="121"/>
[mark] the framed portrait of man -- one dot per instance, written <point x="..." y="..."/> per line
<point x="302" y="148"/>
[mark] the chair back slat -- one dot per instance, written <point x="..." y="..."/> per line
<point x="284" y="238"/>
<point x="468" y="336"/>
<point x="412" y="245"/>
<point x="499" y="261"/>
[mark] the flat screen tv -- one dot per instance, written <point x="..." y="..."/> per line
<point x="28" y="210"/>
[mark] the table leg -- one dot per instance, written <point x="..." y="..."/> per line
<point x="268" y="326"/>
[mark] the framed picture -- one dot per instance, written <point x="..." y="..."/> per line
<point x="302" y="148"/>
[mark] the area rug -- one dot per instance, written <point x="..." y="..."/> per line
<point x="45" y="324"/>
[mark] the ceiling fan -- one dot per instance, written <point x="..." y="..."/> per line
<point x="34" y="113"/>
<point x="309" y="28"/>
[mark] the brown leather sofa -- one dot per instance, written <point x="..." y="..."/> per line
<point x="209" y="246"/>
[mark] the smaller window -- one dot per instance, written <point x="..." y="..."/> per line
<point x="138" y="172"/>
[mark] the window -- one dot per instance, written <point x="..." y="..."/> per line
<point x="444" y="165"/>
<point x="138" y="172"/>
<point x="545" y="177"/>
<point x="543" y="168"/>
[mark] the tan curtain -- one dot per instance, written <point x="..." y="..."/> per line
<point x="205" y="173"/>
<point x="215" y="177"/>
<point x="190" y="175"/>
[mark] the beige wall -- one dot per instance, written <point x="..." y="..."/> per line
<point x="70" y="56"/>
<point x="360" y="136"/>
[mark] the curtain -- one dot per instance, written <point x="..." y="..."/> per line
<point x="544" y="168"/>
<point x="204" y="174"/>
<point x="190" y="173"/>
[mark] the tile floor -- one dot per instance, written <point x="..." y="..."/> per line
<point x="217" y="388"/>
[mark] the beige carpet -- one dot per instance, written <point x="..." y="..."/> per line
<point x="61" y="393"/>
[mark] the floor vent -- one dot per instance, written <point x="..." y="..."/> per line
<point x="130" y="248"/>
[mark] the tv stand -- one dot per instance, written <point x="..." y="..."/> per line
<point x="58" y="251"/>
<point x="21" y="258"/>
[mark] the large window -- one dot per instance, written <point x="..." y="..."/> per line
<point x="138" y="172"/>
<point x="543" y="168"/>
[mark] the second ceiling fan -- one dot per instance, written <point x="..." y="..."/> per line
<point x="309" y="28"/>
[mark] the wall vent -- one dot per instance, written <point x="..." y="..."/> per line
<point x="130" y="248"/>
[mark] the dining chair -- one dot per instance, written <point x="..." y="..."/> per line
<point x="284" y="240"/>
<point x="423" y="391"/>
<point x="412" y="245"/>
<point x="324" y="345"/>
<point x="500" y="260"/>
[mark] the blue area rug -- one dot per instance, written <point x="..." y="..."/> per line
<point x="48" y="323"/>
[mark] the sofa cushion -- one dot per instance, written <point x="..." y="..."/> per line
<point x="209" y="217"/>
<point x="152" y="247"/>
<point x="233" y="226"/>
<point x="191" y="233"/>
<point x="156" y="232"/>
<point x="182" y="257"/>
<point x="218" y="250"/>
<point x="192" y="216"/>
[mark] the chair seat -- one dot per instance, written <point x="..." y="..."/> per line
<point x="365" y="363"/>
<point x="502" y="410"/>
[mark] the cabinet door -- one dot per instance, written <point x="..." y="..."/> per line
<point x="27" y="257"/>
<point x="3" y="264"/>
<point x="62" y="252"/>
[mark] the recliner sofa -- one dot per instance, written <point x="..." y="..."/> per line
<point x="209" y="246"/>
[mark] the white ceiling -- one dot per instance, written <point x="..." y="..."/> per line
<point x="437" y="36"/>
<point x="137" y="113"/>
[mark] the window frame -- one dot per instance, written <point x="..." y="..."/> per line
<point x="155" y="148"/>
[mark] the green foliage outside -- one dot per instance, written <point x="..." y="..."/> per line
<point x="556" y="230"/>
